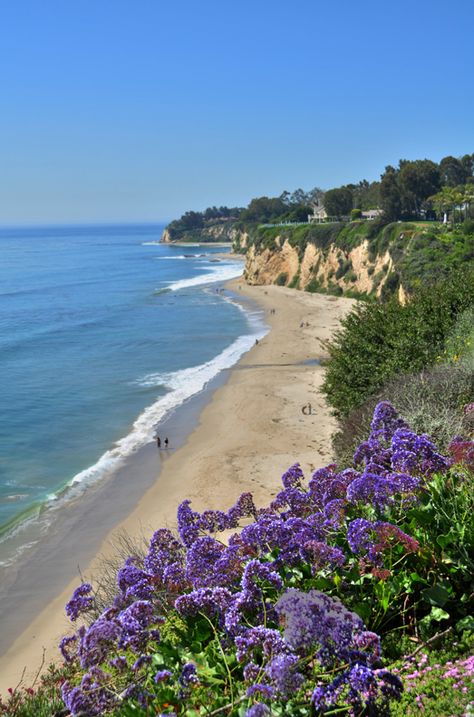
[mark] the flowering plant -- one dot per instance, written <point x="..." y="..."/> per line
<point x="285" y="612"/>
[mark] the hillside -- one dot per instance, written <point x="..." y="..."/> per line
<point x="355" y="258"/>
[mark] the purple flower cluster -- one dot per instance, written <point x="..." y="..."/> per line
<point x="80" y="602"/>
<point x="240" y="586"/>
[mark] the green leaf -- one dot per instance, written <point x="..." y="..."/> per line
<point x="467" y="623"/>
<point x="436" y="595"/>
<point x="437" y="614"/>
<point x="444" y="540"/>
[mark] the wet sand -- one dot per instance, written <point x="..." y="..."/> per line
<point x="263" y="417"/>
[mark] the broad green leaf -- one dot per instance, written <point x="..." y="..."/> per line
<point x="436" y="595"/>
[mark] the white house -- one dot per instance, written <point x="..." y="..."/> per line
<point x="319" y="214"/>
<point x="372" y="214"/>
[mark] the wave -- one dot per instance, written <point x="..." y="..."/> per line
<point x="218" y="273"/>
<point x="181" y="386"/>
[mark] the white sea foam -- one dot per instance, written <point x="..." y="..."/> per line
<point x="181" y="386"/>
<point x="222" y="272"/>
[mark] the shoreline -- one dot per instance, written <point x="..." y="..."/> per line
<point x="245" y="435"/>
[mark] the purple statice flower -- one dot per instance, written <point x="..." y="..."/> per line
<point x="135" y="621"/>
<point x="77" y="701"/>
<point x="252" y="672"/>
<point x="385" y="422"/>
<point x="97" y="641"/>
<point x="66" y="646"/>
<point x="370" y="488"/>
<point x="313" y="618"/>
<point x="91" y="697"/>
<point x="258" y="710"/>
<point x="327" y="484"/>
<point x="462" y="451"/>
<point x="119" y="663"/>
<point x="174" y="577"/>
<point x="282" y="671"/>
<point x="359" y="535"/>
<point x="142" y="660"/>
<point x="260" y="640"/>
<point x="362" y="679"/>
<point x="325" y="696"/>
<point x="133" y="581"/>
<point x="369" y="643"/>
<point x="188" y="675"/>
<point x="294" y="477"/>
<point x="256" y="571"/>
<point x="387" y="533"/>
<point x="200" y="561"/>
<point x="213" y="602"/>
<point x="266" y="533"/>
<point x="391" y="686"/>
<point x="243" y="508"/>
<point x="322" y="555"/>
<point x="335" y="512"/>
<point x="164" y="550"/>
<point x="213" y="521"/>
<point x="162" y="676"/>
<point x="80" y="602"/>
<point x="299" y="502"/>
<point x="261" y="689"/>
<point x="188" y="523"/>
<point x="416" y="455"/>
<point x="372" y="453"/>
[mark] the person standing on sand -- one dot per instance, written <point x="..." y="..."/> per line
<point x="166" y="442"/>
<point x="158" y="442"/>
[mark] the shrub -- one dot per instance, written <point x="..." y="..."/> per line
<point x="295" y="281"/>
<point x="344" y="266"/>
<point x="313" y="285"/>
<point x="468" y="226"/>
<point x="282" y="279"/>
<point x="377" y="341"/>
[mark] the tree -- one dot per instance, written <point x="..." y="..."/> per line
<point x="452" y="172"/>
<point x="390" y="195"/>
<point x="338" y="202"/>
<point x="417" y="180"/>
<point x="447" y="200"/>
<point x="264" y="209"/>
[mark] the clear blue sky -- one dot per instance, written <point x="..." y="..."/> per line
<point x="137" y="110"/>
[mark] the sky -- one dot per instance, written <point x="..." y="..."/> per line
<point x="139" y="110"/>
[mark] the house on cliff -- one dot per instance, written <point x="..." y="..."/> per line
<point x="319" y="214"/>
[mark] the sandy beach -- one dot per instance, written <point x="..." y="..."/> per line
<point x="267" y="415"/>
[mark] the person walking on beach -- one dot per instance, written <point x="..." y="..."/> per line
<point x="166" y="442"/>
<point x="158" y="442"/>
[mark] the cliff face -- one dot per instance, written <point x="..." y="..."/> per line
<point x="332" y="269"/>
<point x="222" y="232"/>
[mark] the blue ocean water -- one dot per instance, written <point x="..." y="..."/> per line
<point x="103" y="331"/>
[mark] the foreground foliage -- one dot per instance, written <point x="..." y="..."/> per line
<point x="287" y="615"/>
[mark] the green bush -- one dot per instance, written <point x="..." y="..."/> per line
<point x="378" y="341"/>
<point x="281" y="279"/>
<point x="294" y="283"/>
<point x="313" y="286"/>
<point x="467" y="226"/>
<point x="344" y="266"/>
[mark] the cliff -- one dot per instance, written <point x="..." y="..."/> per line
<point x="216" y="232"/>
<point x="356" y="258"/>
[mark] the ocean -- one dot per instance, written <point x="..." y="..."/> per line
<point x="103" y="333"/>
